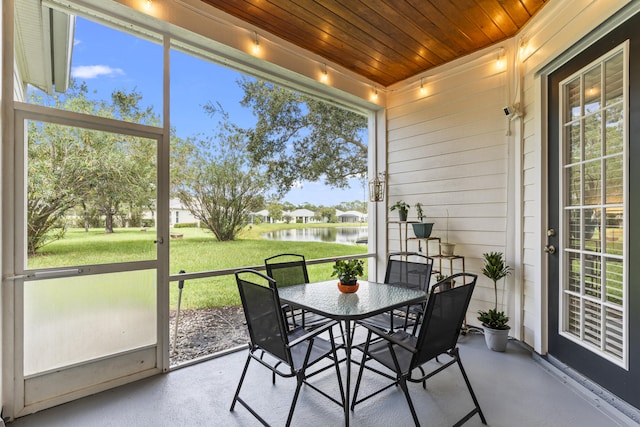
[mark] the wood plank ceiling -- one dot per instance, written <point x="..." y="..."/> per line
<point x="386" y="41"/>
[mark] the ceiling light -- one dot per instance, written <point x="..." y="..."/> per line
<point x="324" y="77"/>
<point x="256" y="43"/>
<point x="501" y="62"/>
<point x="148" y="4"/>
<point x="423" y="89"/>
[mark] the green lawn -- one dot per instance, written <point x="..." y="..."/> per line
<point x="196" y="251"/>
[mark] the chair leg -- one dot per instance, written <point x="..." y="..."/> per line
<point x="300" y="380"/>
<point x="244" y="372"/>
<point x="473" y="395"/>
<point x="273" y="374"/>
<point x="354" y="399"/>
<point x="336" y="361"/>
<point x="403" y="385"/>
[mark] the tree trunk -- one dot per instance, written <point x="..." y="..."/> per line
<point x="108" y="223"/>
<point x="86" y="217"/>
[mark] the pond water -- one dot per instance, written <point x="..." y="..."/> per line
<point x="344" y="235"/>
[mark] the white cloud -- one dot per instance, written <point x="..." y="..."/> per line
<point x="94" y="71"/>
<point x="76" y="42"/>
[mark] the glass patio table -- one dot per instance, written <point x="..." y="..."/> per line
<point x="371" y="298"/>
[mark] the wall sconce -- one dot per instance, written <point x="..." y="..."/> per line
<point x="148" y="4"/>
<point x="377" y="187"/>
<point x="374" y="95"/>
<point x="256" y="43"/>
<point x="501" y="62"/>
<point x="525" y="50"/>
<point x="423" y="89"/>
<point x="324" y="77"/>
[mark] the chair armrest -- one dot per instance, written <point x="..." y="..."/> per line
<point x="373" y="329"/>
<point x="384" y="335"/>
<point x="312" y="334"/>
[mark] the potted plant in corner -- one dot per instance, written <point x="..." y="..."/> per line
<point x="403" y="209"/>
<point x="421" y="229"/>
<point x="348" y="272"/>
<point x="494" y="322"/>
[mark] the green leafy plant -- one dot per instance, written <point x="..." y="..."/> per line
<point x="440" y="277"/>
<point x="348" y="270"/>
<point x="495" y="268"/>
<point x="402" y="208"/>
<point x="494" y="319"/>
<point x="420" y="211"/>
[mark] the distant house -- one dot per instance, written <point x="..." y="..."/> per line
<point x="179" y="214"/>
<point x="351" y="216"/>
<point x="304" y="216"/>
<point x="262" y="215"/>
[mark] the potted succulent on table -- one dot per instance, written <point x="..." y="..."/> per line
<point x="421" y="229"/>
<point x="403" y="209"/>
<point x="494" y="322"/>
<point x="348" y="272"/>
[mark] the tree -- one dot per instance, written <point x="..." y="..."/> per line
<point x="299" y="138"/>
<point x="213" y="181"/>
<point x="121" y="173"/>
<point x="275" y="211"/>
<point x="53" y="181"/>
<point x="327" y="214"/>
<point x="355" y="205"/>
<point x="121" y="168"/>
<point x="71" y="167"/>
<point x="288" y="206"/>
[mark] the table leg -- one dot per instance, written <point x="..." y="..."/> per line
<point x="347" y="324"/>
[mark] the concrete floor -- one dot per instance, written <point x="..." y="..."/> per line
<point x="512" y="387"/>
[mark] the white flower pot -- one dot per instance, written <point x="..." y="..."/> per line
<point x="496" y="339"/>
<point x="447" y="248"/>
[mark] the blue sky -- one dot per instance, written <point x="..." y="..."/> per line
<point x="107" y="59"/>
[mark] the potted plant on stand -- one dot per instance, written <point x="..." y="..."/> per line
<point x="348" y="272"/>
<point x="421" y="229"/>
<point x="441" y="277"/>
<point x="446" y="247"/>
<point x="403" y="209"/>
<point x="494" y="322"/>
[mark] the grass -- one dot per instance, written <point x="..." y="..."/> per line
<point x="196" y="251"/>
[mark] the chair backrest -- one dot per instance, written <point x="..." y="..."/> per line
<point x="287" y="269"/>
<point x="409" y="273"/>
<point x="262" y="311"/>
<point x="443" y="317"/>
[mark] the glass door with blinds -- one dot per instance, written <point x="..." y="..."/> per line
<point x="593" y="207"/>
<point x="593" y="193"/>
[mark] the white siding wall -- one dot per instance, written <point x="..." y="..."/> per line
<point x="449" y="150"/>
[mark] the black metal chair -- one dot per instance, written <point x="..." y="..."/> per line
<point x="296" y="350"/>
<point x="289" y="270"/>
<point x="410" y="270"/>
<point x="403" y="353"/>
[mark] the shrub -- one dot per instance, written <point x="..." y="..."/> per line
<point x="186" y="225"/>
<point x="148" y="223"/>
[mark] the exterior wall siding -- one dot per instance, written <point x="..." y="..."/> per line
<point x="449" y="151"/>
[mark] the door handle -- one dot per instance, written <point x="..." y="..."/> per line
<point x="550" y="249"/>
<point x="159" y="241"/>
